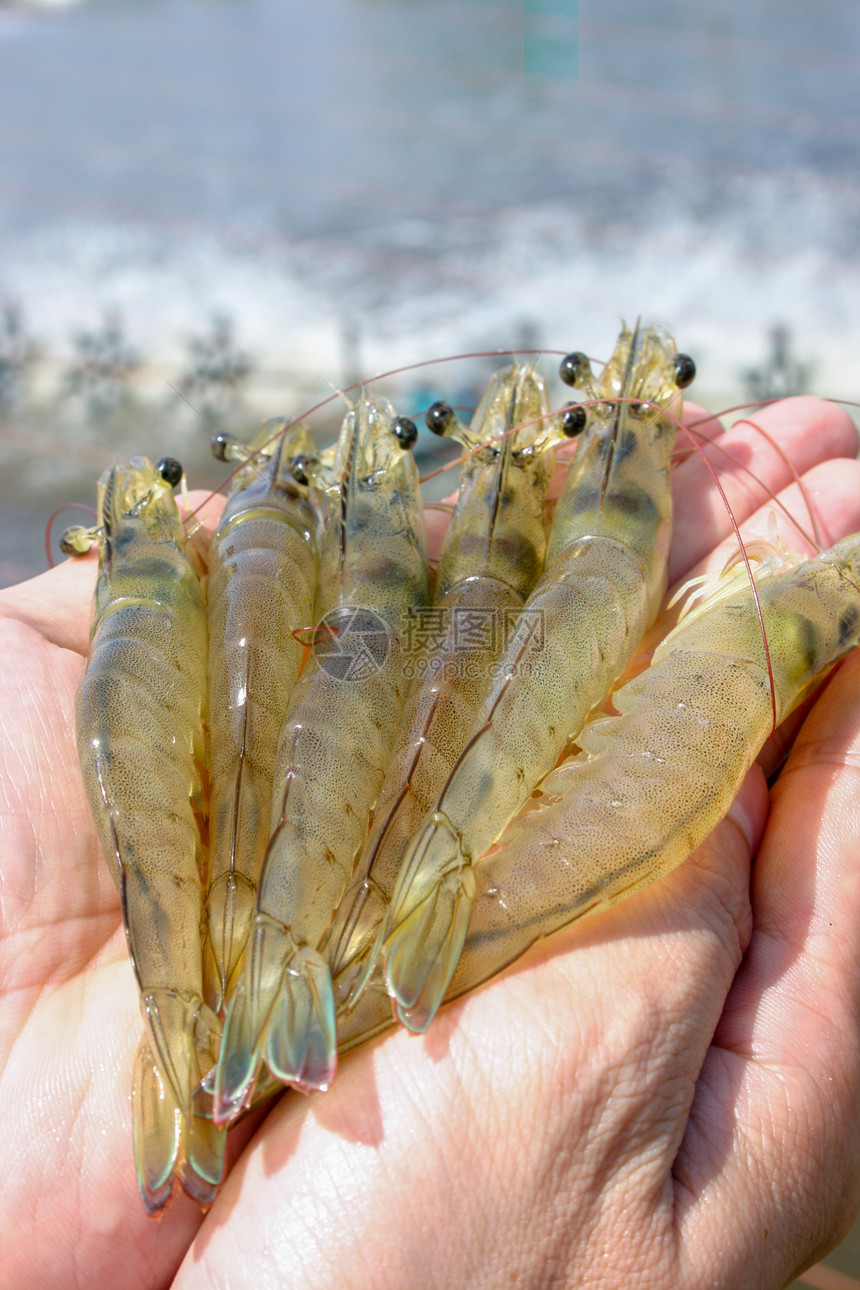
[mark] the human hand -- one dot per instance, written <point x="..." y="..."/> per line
<point x="594" y="1116"/>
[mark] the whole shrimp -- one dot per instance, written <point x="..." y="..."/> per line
<point x="262" y="579"/>
<point x="333" y="752"/>
<point x="604" y="580"/>
<point x="492" y="554"/>
<point x="141" y="744"/>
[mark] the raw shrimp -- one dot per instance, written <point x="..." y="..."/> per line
<point x="492" y="555"/>
<point x="262" y="579"/>
<point x="141" y="744"/>
<point x="333" y="752"/>
<point x="605" y="578"/>
<point x="653" y="781"/>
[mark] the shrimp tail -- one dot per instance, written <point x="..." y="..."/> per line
<point x="427" y="927"/>
<point x="283" y="1013"/>
<point x="230" y="904"/>
<point x="237" y="1066"/>
<point x="169" y="1023"/>
<point x="170" y="1143"/>
<point x="157" y="1131"/>
<point x="301" y="1039"/>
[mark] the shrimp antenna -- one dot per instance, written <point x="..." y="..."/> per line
<point x="380" y="376"/>
<point x="201" y="415"/>
<point x="702" y="442"/>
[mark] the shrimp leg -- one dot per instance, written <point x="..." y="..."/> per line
<point x="605" y="577"/>
<point x="141" y="744"/>
<point x="262" y="578"/>
<point x="333" y="751"/>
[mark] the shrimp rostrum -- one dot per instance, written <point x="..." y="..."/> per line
<point x="141" y="743"/>
<point x="333" y="752"/>
<point x="604" y="579"/>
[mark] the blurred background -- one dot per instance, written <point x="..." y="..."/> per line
<point x="213" y="211"/>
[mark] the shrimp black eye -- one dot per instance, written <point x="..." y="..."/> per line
<point x="405" y="431"/>
<point x="685" y="370"/>
<point x="170" y="470"/>
<point x="574" y="368"/>
<point x="301" y="465"/>
<point x="77" y="540"/>
<point x="439" y="416"/>
<point x="219" y="443"/>
<point x="573" y="420"/>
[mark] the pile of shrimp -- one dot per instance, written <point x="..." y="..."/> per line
<point x="365" y="800"/>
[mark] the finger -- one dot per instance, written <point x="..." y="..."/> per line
<point x="74" y="1054"/>
<point x="829" y="491"/>
<point x="786" y="1056"/>
<point x="751" y="466"/>
<point x="437" y="517"/>
<point x="701" y="424"/>
<point x="56" y="604"/>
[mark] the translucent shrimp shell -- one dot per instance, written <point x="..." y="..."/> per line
<point x="605" y="576"/>
<point x="492" y="554"/>
<point x="262" y="580"/>
<point x="141" y="744"/>
<point x="333" y="752"/>
<point x="652" y="782"/>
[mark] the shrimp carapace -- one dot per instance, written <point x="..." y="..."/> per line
<point x="141" y="742"/>
<point x="333" y="751"/>
<point x="604" y="579"/>
<point x="262" y="581"/>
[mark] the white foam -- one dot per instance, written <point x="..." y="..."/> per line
<point x="539" y="273"/>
